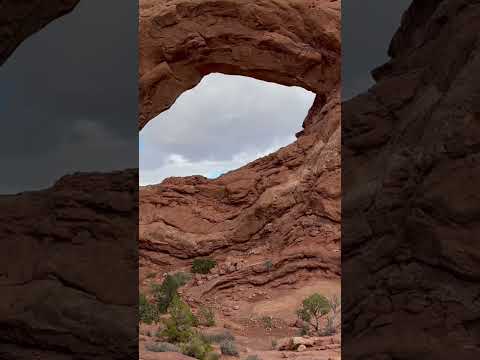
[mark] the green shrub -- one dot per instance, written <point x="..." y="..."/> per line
<point x="274" y="344"/>
<point x="206" y="316"/>
<point x="196" y="347"/>
<point x="218" y="337"/>
<point x="203" y="266"/>
<point x="178" y="328"/>
<point x="182" y="278"/>
<point x="252" y="357"/>
<point x="162" y="347"/>
<point x="147" y="311"/>
<point x="229" y="348"/>
<point x="174" y="334"/>
<point x="166" y="292"/>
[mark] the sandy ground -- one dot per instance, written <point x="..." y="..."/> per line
<point x="242" y="310"/>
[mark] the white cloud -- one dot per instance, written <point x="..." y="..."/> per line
<point x="178" y="165"/>
<point x="222" y="124"/>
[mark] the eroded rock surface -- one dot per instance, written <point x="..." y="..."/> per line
<point x="69" y="269"/>
<point x="290" y="42"/>
<point x="411" y="209"/>
<point x="288" y="203"/>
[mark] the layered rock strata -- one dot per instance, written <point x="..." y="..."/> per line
<point x="285" y="206"/>
<point x="69" y="269"/>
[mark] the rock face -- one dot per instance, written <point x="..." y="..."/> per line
<point x="286" y="206"/>
<point x="290" y="42"/>
<point x="20" y="19"/>
<point x="410" y="226"/>
<point x="58" y="296"/>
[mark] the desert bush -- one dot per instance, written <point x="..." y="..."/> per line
<point x="252" y="357"/>
<point x="203" y="266"/>
<point x="304" y="330"/>
<point x="162" y="347"/>
<point x="329" y="326"/>
<point x="334" y="303"/>
<point x="229" y="348"/>
<point x="182" y="278"/>
<point x="147" y="311"/>
<point x="206" y="316"/>
<point x="267" y="322"/>
<point x="167" y="291"/>
<point x="274" y="344"/>
<point x="178" y="327"/>
<point x="196" y="347"/>
<point x="268" y="265"/>
<point x="218" y="337"/>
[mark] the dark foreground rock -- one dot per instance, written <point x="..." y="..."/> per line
<point x="68" y="269"/>
<point x="411" y="210"/>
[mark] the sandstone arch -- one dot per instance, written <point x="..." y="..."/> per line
<point x="286" y="204"/>
<point x="290" y="42"/>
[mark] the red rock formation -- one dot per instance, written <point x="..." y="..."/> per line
<point x="286" y="206"/>
<point x="68" y="267"/>
<point x="411" y="169"/>
<point x="20" y="19"/>
<point x="282" y="210"/>
<point x="290" y="42"/>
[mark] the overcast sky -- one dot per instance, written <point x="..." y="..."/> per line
<point x="228" y="121"/>
<point x="223" y="123"/>
<point x="367" y="28"/>
<point x="69" y="98"/>
<point x="69" y="101"/>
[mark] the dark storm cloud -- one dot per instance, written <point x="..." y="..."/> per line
<point x="367" y="28"/>
<point x="69" y="97"/>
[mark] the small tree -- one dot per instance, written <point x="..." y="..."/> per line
<point x="314" y="308"/>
